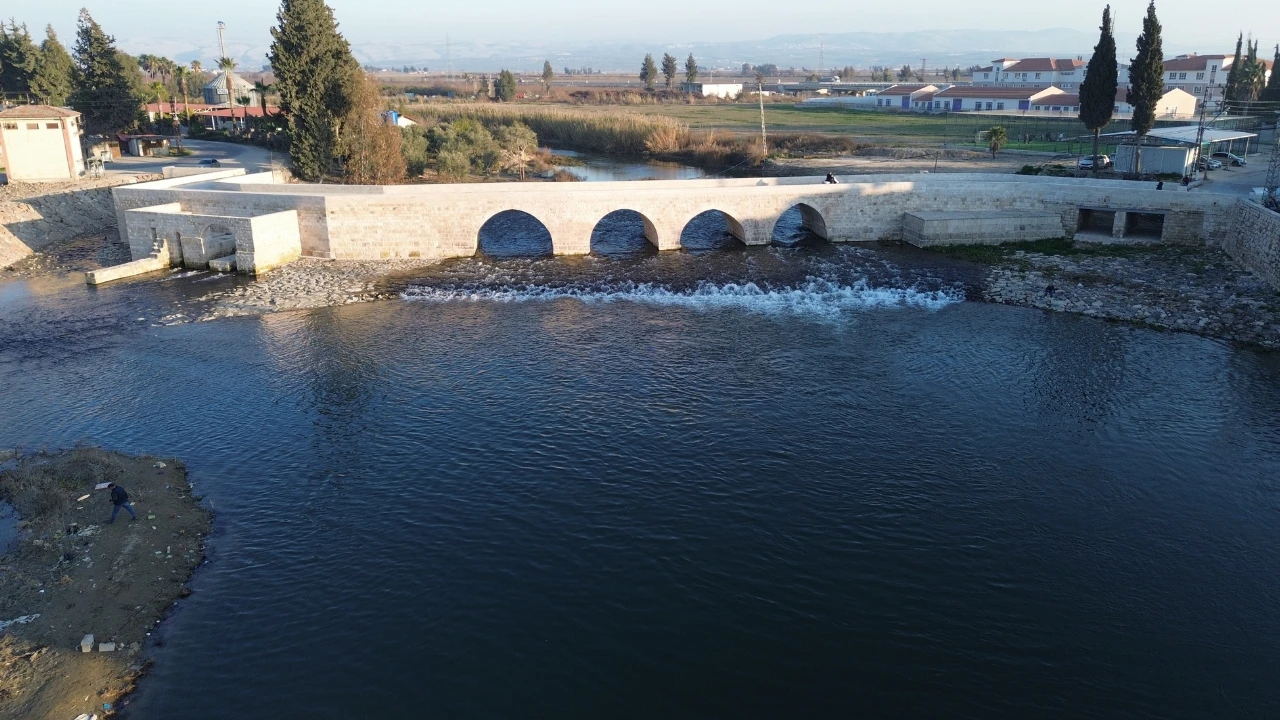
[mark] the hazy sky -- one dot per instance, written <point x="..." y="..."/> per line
<point x="1187" y="23"/>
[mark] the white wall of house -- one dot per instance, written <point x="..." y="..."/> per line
<point x="42" y="149"/>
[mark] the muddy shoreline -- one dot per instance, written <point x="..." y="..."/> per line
<point x="70" y="574"/>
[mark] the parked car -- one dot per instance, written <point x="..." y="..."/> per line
<point x="1230" y="159"/>
<point x="1104" y="162"/>
<point x="1208" y="163"/>
<point x="212" y="162"/>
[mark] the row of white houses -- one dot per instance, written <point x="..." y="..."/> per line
<point x="1024" y="100"/>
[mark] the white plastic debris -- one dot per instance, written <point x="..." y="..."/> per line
<point x="86" y="644"/>
<point x="82" y="498"/>
<point x="18" y="621"/>
<point x="106" y="647"/>
<point x="159" y="465"/>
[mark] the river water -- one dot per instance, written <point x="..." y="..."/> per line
<point x="780" y="482"/>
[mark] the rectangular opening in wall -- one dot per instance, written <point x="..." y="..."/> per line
<point x="1101" y="221"/>
<point x="1144" y="225"/>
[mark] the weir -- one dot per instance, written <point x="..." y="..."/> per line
<point x="274" y="221"/>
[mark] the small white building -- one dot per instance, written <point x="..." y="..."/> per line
<point x="902" y="97"/>
<point x="995" y="99"/>
<point x="41" y="143"/>
<point x="725" y="91"/>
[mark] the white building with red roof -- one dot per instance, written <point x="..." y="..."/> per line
<point x="41" y="143"/>
<point x="1046" y="72"/>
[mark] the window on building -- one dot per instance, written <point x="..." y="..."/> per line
<point x="1199" y="76"/>
<point x="1075" y="109"/>
<point x="1173" y="76"/>
<point x="52" y="126"/>
<point x="1199" y="89"/>
<point x="999" y="106"/>
<point x="33" y="126"/>
<point x="11" y="126"/>
<point x="988" y="106"/>
<point x="1182" y="76"/>
<point x="986" y="76"/>
<point x="1037" y="76"/>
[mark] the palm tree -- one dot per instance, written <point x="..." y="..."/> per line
<point x="245" y="102"/>
<point x="226" y="65"/>
<point x="262" y="89"/>
<point x="997" y="138"/>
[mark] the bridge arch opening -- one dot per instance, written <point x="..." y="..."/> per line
<point x="713" y="230"/>
<point x="801" y="225"/>
<point x="514" y="233"/>
<point x="624" y="233"/>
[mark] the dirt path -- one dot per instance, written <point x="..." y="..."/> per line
<point x="70" y="574"/>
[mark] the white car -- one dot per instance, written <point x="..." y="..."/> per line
<point x="1086" y="163"/>
<point x="1230" y="159"/>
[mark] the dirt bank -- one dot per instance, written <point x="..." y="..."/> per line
<point x="70" y="574"/>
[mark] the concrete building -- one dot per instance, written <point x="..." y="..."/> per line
<point x="902" y="97"/>
<point x="959" y="99"/>
<point x="215" y="91"/>
<point x="720" y="90"/>
<point x="1201" y="74"/>
<point x="41" y="143"/>
<point x="1173" y="104"/>
<point x="1031" y="72"/>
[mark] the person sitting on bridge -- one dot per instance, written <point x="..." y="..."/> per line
<point x="831" y="179"/>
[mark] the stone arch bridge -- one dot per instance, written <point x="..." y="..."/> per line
<point x="265" y="222"/>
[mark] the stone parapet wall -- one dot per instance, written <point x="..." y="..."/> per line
<point x="1253" y="240"/>
<point x="441" y="221"/>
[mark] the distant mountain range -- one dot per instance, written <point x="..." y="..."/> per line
<point x="949" y="48"/>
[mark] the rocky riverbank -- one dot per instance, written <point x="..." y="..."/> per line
<point x="69" y="574"/>
<point x="1185" y="289"/>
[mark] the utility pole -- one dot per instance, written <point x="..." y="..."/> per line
<point x="1204" y="105"/>
<point x="764" y="135"/>
<point x="924" y="67"/>
<point x="448" y="55"/>
<point x="822" y="55"/>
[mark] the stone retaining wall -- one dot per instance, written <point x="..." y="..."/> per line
<point x="31" y="224"/>
<point x="1253" y="240"/>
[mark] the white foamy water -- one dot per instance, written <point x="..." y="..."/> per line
<point x="817" y="297"/>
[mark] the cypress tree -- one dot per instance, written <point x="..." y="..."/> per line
<point x="1253" y="75"/>
<point x="1098" y="91"/>
<point x="691" y="69"/>
<point x="51" y="83"/>
<point x="1146" y="78"/>
<point x="104" y="93"/>
<point x="669" y="69"/>
<point x="313" y="67"/>
<point x="1272" y="91"/>
<point x="1232" y="90"/>
<point x="648" y="72"/>
<point x="547" y="75"/>
<point x="20" y="59"/>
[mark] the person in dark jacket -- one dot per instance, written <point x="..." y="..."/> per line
<point x="120" y="499"/>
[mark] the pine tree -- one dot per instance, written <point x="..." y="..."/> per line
<point x="51" y="83"/>
<point x="1232" y="91"/>
<point x="313" y="67"/>
<point x="20" y="59"/>
<point x="1098" y="91"/>
<point x="669" y="69"/>
<point x="1253" y="75"/>
<point x="648" y="72"/>
<point x="105" y="91"/>
<point x="1272" y="91"/>
<point x="691" y="69"/>
<point x="547" y="75"/>
<point x="1146" y="78"/>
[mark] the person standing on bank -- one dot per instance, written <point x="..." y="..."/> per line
<point x="120" y="499"/>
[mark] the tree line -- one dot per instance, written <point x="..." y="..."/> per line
<point x="670" y="69"/>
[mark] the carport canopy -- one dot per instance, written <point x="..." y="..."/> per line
<point x="1187" y="134"/>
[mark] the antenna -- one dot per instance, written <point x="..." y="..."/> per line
<point x="822" y="54"/>
<point x="222" y="41"/>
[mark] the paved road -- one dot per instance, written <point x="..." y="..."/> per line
<point x="230" y="155"/>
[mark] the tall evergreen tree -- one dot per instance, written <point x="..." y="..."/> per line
<point x="1098" y="91"/>
<point x="1272" y="91"/>
<point x="1253" y="76"/>
<point x="1146" y="78"/>
<point x="20" y="57"/>
<point x="105" y="91"/>
<point x="691" y="69"/>
<point x="51" y="83"/>
<point x="547" y="75"/>
<point x="1231" y="92"/>
<point x="648" y="72"/>
<point x="313" y="67"/>
<point x="669" y="69"/>
<point x="506" y="87"/>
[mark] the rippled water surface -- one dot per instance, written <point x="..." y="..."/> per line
<point x="790" y="482"/>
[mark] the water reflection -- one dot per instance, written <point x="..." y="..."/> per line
<point x="602" y="168"/>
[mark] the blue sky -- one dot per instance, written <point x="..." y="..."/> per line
<point x="1187" y="23"/>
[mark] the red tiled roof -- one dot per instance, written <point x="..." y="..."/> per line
<point x="240" y="110"/>
<point x="903" y="89"/>
<point x="182" y="107"/>
<point x="1192" y="62"/>
<point x="1044" y="65"/>
<point x="37" y="112"/>
<point x="999" y="93"/>
<point x="1065" y="99"/>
